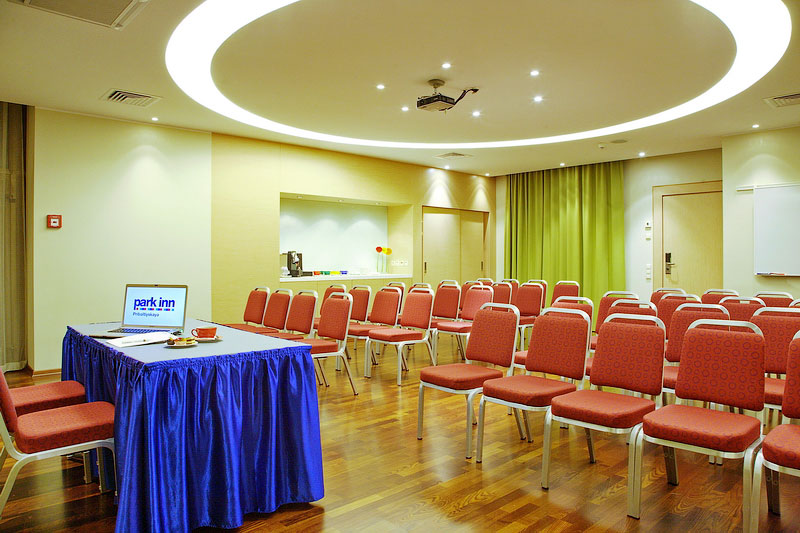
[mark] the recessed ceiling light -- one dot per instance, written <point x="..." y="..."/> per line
<point x="446" y="65"/>
<point x="756" y="126"/>
<point x="447" y="167"/>
<point x="380" y="86"/>
<point x="299" y="197"/>
<point x="404" y="108"/>
<point x="154" y="119"/>
<point x="538" y="98"/>
<point x="761" y="31"/>
<point x="340" y="201"/>
<point x="476" y="113"/>
<point x="562" y="164"/>
<point x="487" y="174"/>
<point x="642" y="154"/>
<point x="534" y="73"/>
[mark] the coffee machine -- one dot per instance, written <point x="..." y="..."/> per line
<point x="294" y="262"/>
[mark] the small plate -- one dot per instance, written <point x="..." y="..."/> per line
<point x="187" y="345"/>
<point x="208" y="339"/>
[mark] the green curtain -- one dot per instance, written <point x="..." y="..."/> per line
<point x="567" y="224"/>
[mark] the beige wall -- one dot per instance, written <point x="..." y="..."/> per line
<point x="249" y="175"/>
<point x="764" y="158"/>
<point x="136" y="205"/>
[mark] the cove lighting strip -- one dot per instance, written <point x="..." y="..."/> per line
<point x="761" y="29"/>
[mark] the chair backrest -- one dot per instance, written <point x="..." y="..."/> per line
<point x="418" y="309"/>
<point x="609" y="298"/>
<point x="464" y="288"/>
<point x="633" y="307"/>
<point x="779" y="325"/>
<point x="476" y="296"/>
<point x="713" y="296"/>
<point x="559" y="343"/>
<point x="791" y="394"/>
<point x="400" y="285"/>
<point x="630" y="355"/>
<point x="256" y="303"/>
<point x="659" y="293"/>
<point x="530" y="299"/>
<point x="575" y="302"/>
<point x="669" y="302"/>
<point x="741" y="308"/>
<point x="7" y="407"/>
<point x="333" y="288"/>
<point x="277" y="309"/>
<point x="543" y="283"/>
<point x="386" y="306"/>
<point x="514" y="289"/>
<point x="722" y="366"/>
<point x="502" y="292"/>
<point x="682" y="318"/>
<point x="361" y="295"/>
<point x="775" y="298"/>
<point x="446" y="301"/>
<point x="565" y="288"/>
<point x="795" y="303"/>
<point x="486" y="281"/>
<point x="301" y="312"/>
<point x="493" y="336"/>
<point x="420" y="285"/>
<point x="335" y="316"/>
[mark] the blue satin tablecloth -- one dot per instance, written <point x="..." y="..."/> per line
<point x="206" y="434"/>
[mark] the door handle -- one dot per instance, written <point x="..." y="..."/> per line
<point x="425" y="267"/>
<point x="668" y="264"/>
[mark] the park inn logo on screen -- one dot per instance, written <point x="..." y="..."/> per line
<point x="150" y="304"/>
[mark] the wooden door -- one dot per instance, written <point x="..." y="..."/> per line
<point x="687" y="230"/>
<point x="473" y="231"/>
<point x="441" y="245"/>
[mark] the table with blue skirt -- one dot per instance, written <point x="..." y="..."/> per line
<point x="204" y="434"/>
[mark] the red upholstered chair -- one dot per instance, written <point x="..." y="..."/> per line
<point x="724" y="367"/>
<point x="659" y="293"/>
<point x="361" y="294"/>
<point x="775" y="298"/>
<point x="300" y="318"/>
<point x="514" y="289"/>
<point x="486" y="281"/>
<point x="415" y="329"/>
<point x="629" y="356"/>
<point x="411" y="288"/>
<point x="49" y="433"/>
<point x="402" y="286"/>
<point x="617" y="309"/>
<point x="559" y="345"/>
<point x="332" y="288"/>
<point x="502" y="292"/>
<point x="605" y="304"/>
<point x="446" y="302"/>
<point x="464" y="288"/>
<point x="384" y="313"/>
<point x="476" y="296"/>
<point x="682" y="318"/>
<point x="253" y="309"/>
<point x="492" y="341"/>
<point x="333" y="324"/>
<point x="575" y="302"/>
<point x="543" y="283"/>
<point x="795" y="303"/>
<point x="713" y="296"/>
<point x="275" y="313"/>
<point x="530" y="302"/>
<point x="741" y="308"/>
<point x="565" y="288"/>
<point x="669" y="302"/>
<point x="780" y="450"/>
<point x="779" y="326"/>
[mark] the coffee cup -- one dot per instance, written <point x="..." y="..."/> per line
<point x="205" y="333"/>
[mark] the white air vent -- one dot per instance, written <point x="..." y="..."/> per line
<point x="452" y="155"/>
<point x="783" y="101"/>
<point x="110" y="13"/>
<point x="130" y="98"/>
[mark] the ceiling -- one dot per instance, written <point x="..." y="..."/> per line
<point x="315" y="65"/>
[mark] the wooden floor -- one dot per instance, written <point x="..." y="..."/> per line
<point x="379" y="477"/>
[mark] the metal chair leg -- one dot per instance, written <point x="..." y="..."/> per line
<point x="420" y="409"/>
<point x="590" y="445"/>
<point x="671" y="463"/>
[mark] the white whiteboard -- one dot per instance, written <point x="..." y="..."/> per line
<point x="776" y="222"/>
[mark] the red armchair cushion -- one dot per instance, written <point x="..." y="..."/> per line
<point x="602" y="408"/>
<point x="782" y="446"/>
<point x="47" y="396"/>
<point x="395" y="334"/>
<point x="454" y="327"/>
<point x="321" y="345"/>
<point x="362" y="330"/>
<point x="526" y="390"/>
<point x="458" y="376"/>
<point x="64" y="426"/>
<point x="718" y="430"/>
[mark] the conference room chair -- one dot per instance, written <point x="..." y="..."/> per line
<point x="629" y="356"/>
<point x="713" y="296"/>
<point x="559" y="345"/>
<point x="300" y="318"/>
<point x="402" y="286"/>
<point x="275" y="313"/>
<point x="619" y="306"/>
<point x="543" y="283"/>
<point x="464" y="288"/>
<point x="384" y="313"/>
<point x="38" y="435"/>
<point x="361" y="296"/>
<point x="412" y="287"/>
<point x="780" y="449"/>
<point x="605" y="304"/>
<point x="779" y="326"/>
<point x="669" y="302"/>
<point x="332" y="334"/>
<point x="530" y="302"/>
<point x="486" y="281"/>
<point x="493" y="338"/>
<point x="795" y="303"/>
<point x="415" y="328"/>
<point x="575" y="302"/>
<point x="446" y="302"/>
<point x="741" y="308"/>
<point x="330" y="289"/>
<point x="657" y="294"/>
<point x="502" y="292"/>
<point x="565" y="288"/>
<point x="514" y="288"/>
<point x="475" y="297"/>
<point x="775" y="298"/>
<point x="719" y="366"/>
<point x="253" y="309"/>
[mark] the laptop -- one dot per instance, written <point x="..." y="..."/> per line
<point x="150" y="308"/>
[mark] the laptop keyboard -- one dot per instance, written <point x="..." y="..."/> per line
<point x="136" y="330"/>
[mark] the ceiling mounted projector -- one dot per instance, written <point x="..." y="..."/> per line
<point x="438" y="101"/>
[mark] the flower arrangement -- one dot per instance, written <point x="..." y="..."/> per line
<point x="383" y="252"/>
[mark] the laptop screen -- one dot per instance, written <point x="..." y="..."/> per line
<point x="155" y="306"/>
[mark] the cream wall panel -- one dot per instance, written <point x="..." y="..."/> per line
<point x="136" y="204"/>
<point x="764" y="158"/>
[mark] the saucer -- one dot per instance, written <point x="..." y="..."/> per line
<point x="208" y="339"/>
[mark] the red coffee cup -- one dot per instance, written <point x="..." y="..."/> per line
<point x="205" y="333"/>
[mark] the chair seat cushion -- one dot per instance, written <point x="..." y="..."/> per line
<point x="321" y="345"/>
<point x="520" y="357"/>
<point x="526" y="390"/>
<point x="526" y="320"/>
<point x="396" y="334"/>
<point x="459" y="376"/>
<point x="593" y="343"/>
<point x="436" y="321"/>
<point x="64" y="426"/>
<point x="285" y="336"/>
<point x="718" y="430"/>
<point x="256" y="329"/>
<point x="782" y="446"/>
<point x="454" y="327"/>
<point x="773" y="391"/>
<point x="670" y="376"/>
<point x="602" y="408"/>
<point x="47" y="396"/>
<point x="362" y="330"/>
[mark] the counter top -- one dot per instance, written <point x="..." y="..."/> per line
<point x="346" y="277"/>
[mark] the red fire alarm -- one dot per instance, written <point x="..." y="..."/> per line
<point x="53" y="221"/>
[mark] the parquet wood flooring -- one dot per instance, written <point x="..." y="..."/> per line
<point x="379" y="477"/>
